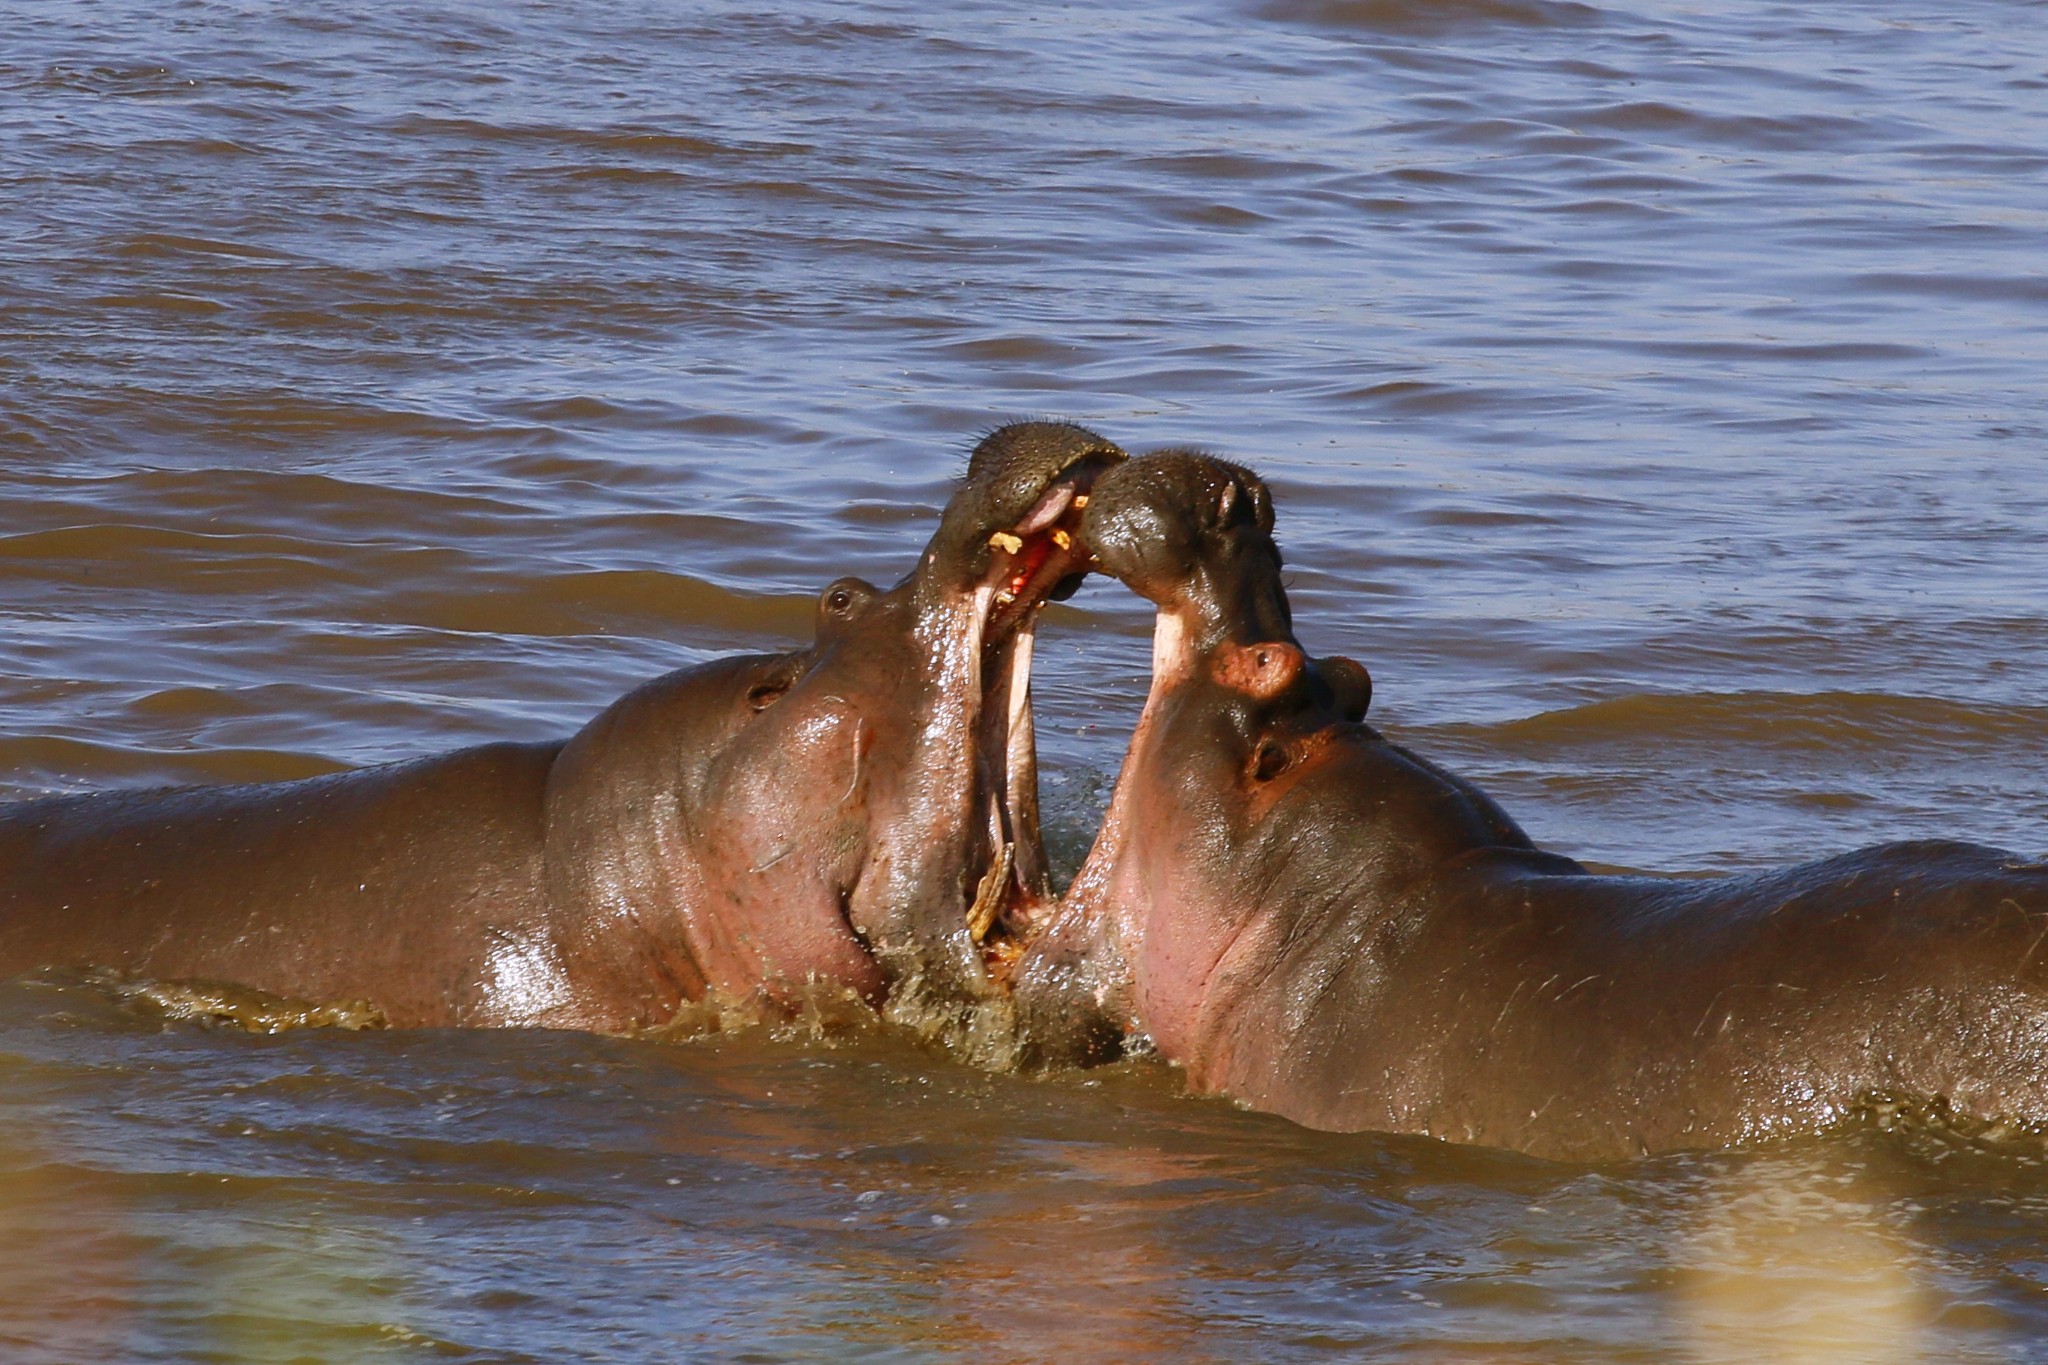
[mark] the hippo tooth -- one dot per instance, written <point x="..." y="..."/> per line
<point x="1080" y="500"/>
<point x="1005" y="597"/>
<point x="1020" y="680"/>
<point x="1003" y="540"/>
<point x="988" y="897"/>
<point x="1062" y="539"/>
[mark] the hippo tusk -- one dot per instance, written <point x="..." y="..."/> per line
<point x="988" y="897"/>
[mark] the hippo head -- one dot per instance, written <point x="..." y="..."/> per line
<point x="862" y="812"/>
<point x="1168" y="919"/>
<point x="944" y="662"/>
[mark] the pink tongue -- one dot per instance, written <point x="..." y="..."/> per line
<point x="1048" y="510"/>
<point x="1035" y="555"/>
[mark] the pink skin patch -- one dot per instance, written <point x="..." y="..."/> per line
<point x="1262" y="671"/>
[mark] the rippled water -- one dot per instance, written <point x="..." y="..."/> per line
<point x="1654" y="397"/>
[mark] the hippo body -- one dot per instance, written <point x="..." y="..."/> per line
<point x="746" y="829"/>
<point x="1321" y="924"/>
<point x="1416" y="965"/>
<point x="400" y="865"/>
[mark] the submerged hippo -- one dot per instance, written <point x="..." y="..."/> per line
<point x="1322" y="924"/>
<point x="842" y="813"/>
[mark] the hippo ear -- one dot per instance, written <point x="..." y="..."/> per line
<point x="1350" y="685"/>
<point x="1264" y="670"/>
<point x="1262" y="504"/>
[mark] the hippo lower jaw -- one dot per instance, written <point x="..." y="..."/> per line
<point x="1173" y="659"/>
<point x="1067" y="965"/>
<point x="1039" y="558"/>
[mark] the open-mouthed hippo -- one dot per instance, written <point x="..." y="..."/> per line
<point x="1321" y="924"/>
<point x="837" y="814"/>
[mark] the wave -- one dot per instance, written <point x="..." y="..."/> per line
<point x="1430" y="17"/>
<point x="46" y="764"/>
<point x="605" y="601"/>
<point x="1777" y="721"/>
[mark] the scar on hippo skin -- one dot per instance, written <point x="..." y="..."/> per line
<point x="757" y="826"/>
<point x="1320" y="923"/>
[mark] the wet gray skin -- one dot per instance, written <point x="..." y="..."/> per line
<point x="1319" y="923"/>
<point x="852" y="814"/>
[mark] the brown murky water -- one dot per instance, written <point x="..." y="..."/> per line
<point x="1654" y="396"/>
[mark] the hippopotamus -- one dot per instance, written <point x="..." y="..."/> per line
<point x="1316" y="921"/>
<point x="856" y="813"/>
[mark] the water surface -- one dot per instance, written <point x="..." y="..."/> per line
<point x="1653" y="396"/>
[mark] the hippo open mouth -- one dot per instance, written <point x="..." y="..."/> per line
<point x="1193" y="535"/>
<point x="1040" y="557"/>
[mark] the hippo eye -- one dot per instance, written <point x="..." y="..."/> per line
<point x="761" y="696"/>
<point x="842" y="600"/>
<point x="1270" y="761"/>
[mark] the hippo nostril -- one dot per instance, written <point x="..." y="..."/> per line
<point x="1270" y="761"/>
<point x="761" y="696"/>
<point x="1264" y="671"/>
